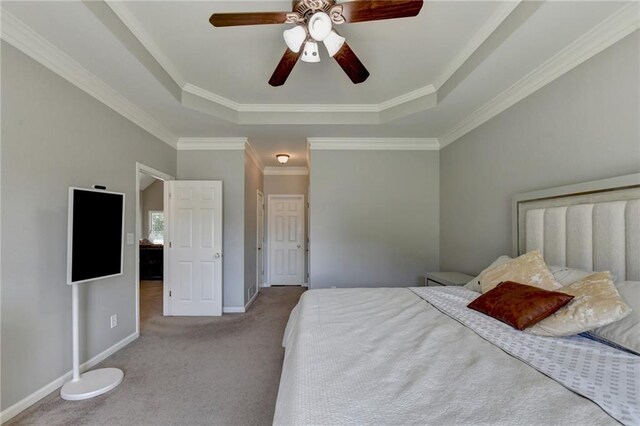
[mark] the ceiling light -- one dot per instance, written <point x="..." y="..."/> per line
<point x="282" y="158"/>
<point x="310" y="53"/>
<point x="295" y="37"/>
<point x="333" y="42"/>
<point x="320" y="26"/>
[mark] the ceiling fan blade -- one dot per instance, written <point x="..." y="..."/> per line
<point x="375" y="10"/>
<point x="286" y="64"/>
<point x="351" y="65"/>
<point x="248" y="18"/>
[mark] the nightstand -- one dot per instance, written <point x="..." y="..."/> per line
<point x="446" y="278"/>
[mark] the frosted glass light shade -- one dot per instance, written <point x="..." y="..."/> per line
<point x="295" y="37"/>
<point x="333" y="43"/>
<point x="311" y="53"/>
<point x="282" y="158"/>
<point x="320" y="26"/>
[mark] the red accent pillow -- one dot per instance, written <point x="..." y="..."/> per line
<point x="519" y="305"/>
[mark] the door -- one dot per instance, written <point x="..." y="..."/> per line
<point x="286" y="239"/>
<point x="195" y="248"/>
<point x="260" y="243"/>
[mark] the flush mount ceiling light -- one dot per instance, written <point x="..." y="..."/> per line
<point x="314" y="21"/>
<point x="282" y="158"/>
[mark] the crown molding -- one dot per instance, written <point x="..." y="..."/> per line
<point x="377" y="144"/>
<point x="211" y="144"/>
<point x="251" y="152"/>
<point x="611" y="30"/>
<point x="488" y="28"/>
<point x="127" y="18"/>
<point x="285" y="171"/>
<point x="38" y="48"/>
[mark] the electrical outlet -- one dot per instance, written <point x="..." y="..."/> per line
<point x="114" y="320"/>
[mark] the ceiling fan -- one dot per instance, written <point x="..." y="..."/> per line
<point x="314" y="21"/>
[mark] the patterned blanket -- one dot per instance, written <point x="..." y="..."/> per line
<point x="607" y="376"/>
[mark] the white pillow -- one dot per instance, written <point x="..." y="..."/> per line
<point x="565" y="275"/>
<point x="474" y="284"/>
<point x="626" y="332"/>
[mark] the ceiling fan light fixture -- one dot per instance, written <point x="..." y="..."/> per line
<point x="311" y="53"/>
<point x="320" y="26"/>
<point x="295" y="37"/>
<point x="282" y="158"/>
<point x="333" y="42"/>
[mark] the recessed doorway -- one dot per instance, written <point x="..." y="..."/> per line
<point x="149" y="245"/>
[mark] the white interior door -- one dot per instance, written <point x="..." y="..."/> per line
<point x="260" y="243"/>
<point x="195" y="248"/>
<point x="286" y="239"/>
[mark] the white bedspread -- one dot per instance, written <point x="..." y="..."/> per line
<point x="385" y="356"/>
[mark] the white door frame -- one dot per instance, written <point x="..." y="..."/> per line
<point x="144" y="169"/>
<point x="260" y="253"/>
<point x="269" y="236"/>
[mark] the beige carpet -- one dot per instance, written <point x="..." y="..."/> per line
<point x="188" y="371"/>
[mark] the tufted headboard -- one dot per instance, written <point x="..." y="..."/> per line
<point x="593" y="226"/>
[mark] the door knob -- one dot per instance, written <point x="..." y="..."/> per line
<point x="216" y="256"/>
<point x="298" y="245"/>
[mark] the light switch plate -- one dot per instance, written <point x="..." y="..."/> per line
<point x="130" y="239"/>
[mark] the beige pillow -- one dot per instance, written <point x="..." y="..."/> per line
<point x="528" y="269"/>
<point x="596" y="304"/>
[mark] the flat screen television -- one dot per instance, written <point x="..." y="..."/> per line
<point x="95" y="235"/>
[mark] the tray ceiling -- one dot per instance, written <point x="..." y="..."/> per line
<point x="432" y="76"/>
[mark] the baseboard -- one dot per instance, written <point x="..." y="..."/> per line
<point x="233" y="310"/>
<point x="246" y="307"/>
<point x="27" y="402"/>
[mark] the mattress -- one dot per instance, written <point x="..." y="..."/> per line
<point x="385" y="356"/>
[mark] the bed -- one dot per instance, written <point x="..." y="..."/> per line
<point x="419" y="356"/>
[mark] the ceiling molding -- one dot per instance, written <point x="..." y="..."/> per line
<point x="211" y="103"/>
<point x="141" y="34"/>
<point x="613" y="29"/>
<point x="476" y="41"/>
<point x="377" y="144"/>
<point x="285" y="171"/>
<point x="211" y="144"/>
<point x="38" y="48"/>
<point x="251" y="152"/>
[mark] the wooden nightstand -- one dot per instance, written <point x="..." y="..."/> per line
<point x="446" y="278"/>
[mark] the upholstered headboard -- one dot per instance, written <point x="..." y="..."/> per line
<point x="593" y="226"/>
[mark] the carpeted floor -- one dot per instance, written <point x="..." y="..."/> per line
<point x="188" y="371"/>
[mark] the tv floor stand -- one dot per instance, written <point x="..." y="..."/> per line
<point x="91" y="383"/>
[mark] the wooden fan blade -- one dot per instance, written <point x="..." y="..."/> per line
<point x="248" y="18"/>
<point x="351" y="65"/>
<point x="375" y="10"/>
<point x="284" y="68"/>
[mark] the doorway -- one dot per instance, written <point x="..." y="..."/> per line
<point x="286" y="239"/>
<point x="149" y="243"/>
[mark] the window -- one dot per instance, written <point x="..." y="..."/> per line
<point x="156" y="226"/>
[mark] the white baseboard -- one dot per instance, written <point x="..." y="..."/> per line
<point x="28" y="401"/>
<point x="253" y="298"/>
<point x="233" y="309"/>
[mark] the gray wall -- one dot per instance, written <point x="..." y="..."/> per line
<point x="54" y="136"/>
<point x="283" y="185"/>
<point x="374" y="217"/>
<point x="152" y="199"/>
<point x="227" y="166"/>
<point x="253" y="181"/>
<point x="581" y="127"/>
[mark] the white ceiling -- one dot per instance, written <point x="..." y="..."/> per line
<point x="451" y="60"/>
